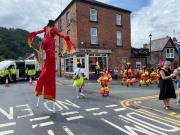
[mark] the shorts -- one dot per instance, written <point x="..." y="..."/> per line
<point x="178" y="84"/>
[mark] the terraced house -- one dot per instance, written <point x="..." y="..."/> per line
<point x="101" y="32"/>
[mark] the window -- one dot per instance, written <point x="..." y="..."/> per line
<point x="169" y="52"/>
<point x="102" y="62"/>
<point x="119" y="38"/>
<point x="69" y="64"/>
<point x="138" y="65"/>
<point x="69" y="33"/>
<point x="93" y="14"/>
<point x="68" y="19"/>
<point x="94" y="38"/>
<point x="60" y="25"/>
<point x="118" y="19"/>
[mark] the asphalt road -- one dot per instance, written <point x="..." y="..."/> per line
<point x="127" y="111"/>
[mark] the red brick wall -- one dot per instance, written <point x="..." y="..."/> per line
<point x="106" y="26"/>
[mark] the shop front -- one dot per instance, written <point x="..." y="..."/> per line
<point x="88" y="58"/>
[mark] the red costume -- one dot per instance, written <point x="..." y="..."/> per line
<point x="47" y="77"/>
<point x="104" y="81"/>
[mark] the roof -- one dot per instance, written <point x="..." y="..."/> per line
<point x="6" y="63"/>
<point x="159" y="44"/>
<point x="93" y="2"/>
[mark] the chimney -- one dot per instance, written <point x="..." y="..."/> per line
<point x="145" y="45"/>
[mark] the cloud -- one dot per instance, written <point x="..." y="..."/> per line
<point x="29" y="14"/>
<point x="160" y="18"/>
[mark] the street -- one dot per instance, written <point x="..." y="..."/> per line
<point x="127" y="111"/>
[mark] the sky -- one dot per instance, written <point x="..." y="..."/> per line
<point x="158" y="17"/>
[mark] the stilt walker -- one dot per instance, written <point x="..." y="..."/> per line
<point x="46" y="84"/>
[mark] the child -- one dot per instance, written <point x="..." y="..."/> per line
<point x="79" y="80"/>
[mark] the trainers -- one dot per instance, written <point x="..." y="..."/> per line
<point x="77" y="97"/>
<point x="82" y="94"/>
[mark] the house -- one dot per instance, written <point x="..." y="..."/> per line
<point x="100" y="32"/>
<point x="165" y="49"/>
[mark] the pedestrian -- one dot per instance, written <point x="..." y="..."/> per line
<point x="47" y="78"/>
<point x="167" y="90"/>
<point x="177" y="72"/>
<point x="79" y="81"/>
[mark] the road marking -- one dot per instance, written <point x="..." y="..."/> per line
<point x="166" y="119"/>
<point x="74" y="118"/>
<point x="126" y="103"/>
<point x="92" y="109"/>
<point x="130" y="130"/>
<point x="67" y="130"/>
<point x="119" y="109"/>
<point x="50" y="132"/>
<point x="100" y="113"/>
<point x="7" y="132"/>
<point x="69" y="113"/>
<point x="43" y="124"/>
<point x="39" y="118"/>
<point x="7" y="124"/>
<point x="110" y="106"/>
<point x="177" y="115"/>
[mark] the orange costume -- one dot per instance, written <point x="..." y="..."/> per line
<point x="128" y="76"/>
<point x="47" y="77"/>
<point x="104" y="80"/>
<point x="144" y="74"/>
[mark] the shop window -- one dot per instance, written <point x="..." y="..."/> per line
<point x="102" y="63"/>
<point x="69" y="64"/>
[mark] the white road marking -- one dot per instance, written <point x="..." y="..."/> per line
<point x="119" y="109"/>
<point x="7" y="132"/>
<point x="43" y="124"/>
<point x="74" y="118"/>
<point x="69" y="113"/>
<point x="26" y="109"/>
<point x="8" y="115"/>
<point x="110" y="106"/>
<point x="50" y="132"/>
<point x="67" y="130"/>
<point x="92" y="109"/>
<point x="100" y="113"/>
<point x="39" y="118"/>
<point x="7" y="124"/>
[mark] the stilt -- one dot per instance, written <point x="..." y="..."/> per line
<point x="37" y="105"/>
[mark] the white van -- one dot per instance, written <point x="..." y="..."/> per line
<point x="20" y="65"/>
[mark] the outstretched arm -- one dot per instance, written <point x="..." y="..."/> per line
<point x="32" y="35"/>
<point x="58" y="33"/>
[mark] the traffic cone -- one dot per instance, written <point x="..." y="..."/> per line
<point x="30" y="80"/>
<point x="7" y="82"/>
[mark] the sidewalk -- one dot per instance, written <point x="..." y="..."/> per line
<point x="69" y="81"/>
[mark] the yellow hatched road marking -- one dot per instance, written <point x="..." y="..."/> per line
<point x="172" y="121"/>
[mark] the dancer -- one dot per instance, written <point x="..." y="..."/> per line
<point x="47" y="77"/>
<point x="104" y="81"/>
<point x="79" y="80"/>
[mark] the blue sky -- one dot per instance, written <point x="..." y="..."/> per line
<point x="158" y="17"/>
<point x="133" y="5"/>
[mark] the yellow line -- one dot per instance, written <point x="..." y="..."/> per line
<point x="172" y="121"/>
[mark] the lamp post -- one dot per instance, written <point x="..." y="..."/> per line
<point x="150" y="47"/>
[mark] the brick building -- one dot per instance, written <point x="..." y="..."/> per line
<point x="165" y="49"/>
<point x="100" y="32"/>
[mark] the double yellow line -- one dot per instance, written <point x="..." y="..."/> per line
<point x="136" y="101"/>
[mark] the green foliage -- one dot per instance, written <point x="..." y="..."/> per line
<point x="13" y="43"/>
